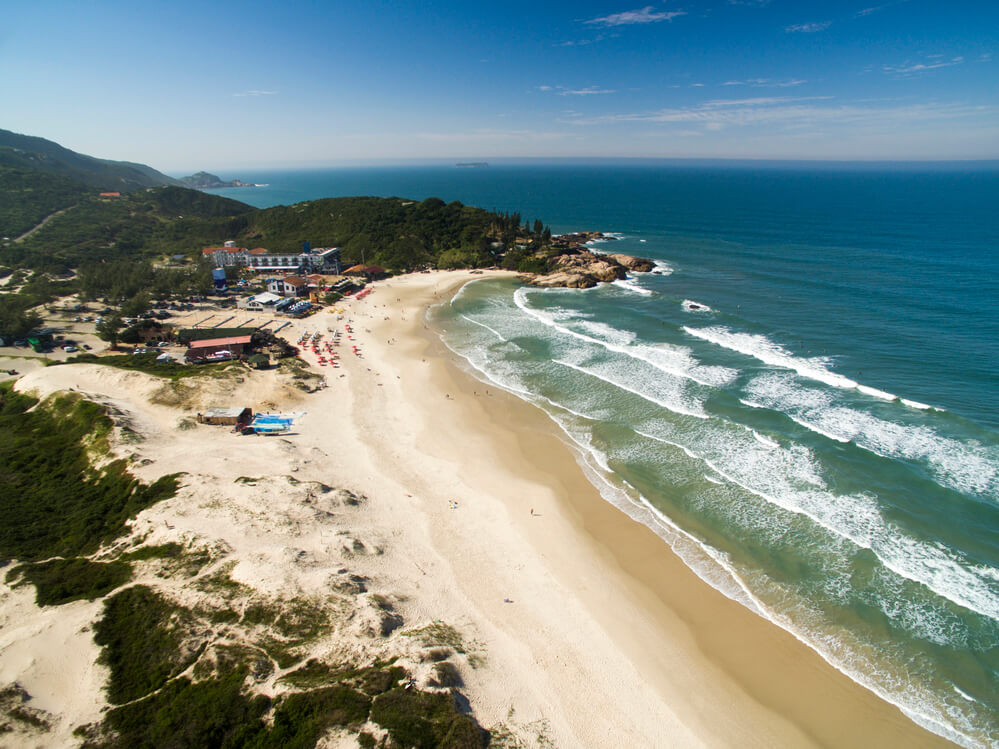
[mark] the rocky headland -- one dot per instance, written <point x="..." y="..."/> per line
<point x="209" y="181"/>
<point x="573" y="265"/>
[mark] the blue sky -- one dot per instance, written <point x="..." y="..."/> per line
<point x="186" y="85"/>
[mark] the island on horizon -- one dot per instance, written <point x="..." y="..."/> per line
<point x="209" y="181"/>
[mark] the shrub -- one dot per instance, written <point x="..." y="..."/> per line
<point x="424" y="720"/>
<point x="55" y="503"/>
<point x="60" y="581"/>
<point x="143" y="637"/>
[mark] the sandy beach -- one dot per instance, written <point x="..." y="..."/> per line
<point x="580" y="627"/>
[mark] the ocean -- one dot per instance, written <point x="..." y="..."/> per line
<point x="802" y="400"/>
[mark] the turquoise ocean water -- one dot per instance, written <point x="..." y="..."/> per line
<point x="818" y="437"/>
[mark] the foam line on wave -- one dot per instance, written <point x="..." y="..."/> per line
<point x="630" y="284"/>
<point x="483" y="325"/>
<point x="963" y="466"/>
<point x="763" y="349"/>
<point x="706" y="376"/>
<point x="860" y="522"/>
<point x="673" y="407"/>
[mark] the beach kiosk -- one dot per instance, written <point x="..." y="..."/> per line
<point x="231" y="416"/>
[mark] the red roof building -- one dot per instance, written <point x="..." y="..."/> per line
<point x="217" y="349"/>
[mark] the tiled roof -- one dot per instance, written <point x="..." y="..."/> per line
<point x="233" y="341"/>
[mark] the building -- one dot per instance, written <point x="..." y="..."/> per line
<point x="288" y="286"/>
<point x="368" y="271"/>
<point x="259" y="302"/>
<point x="225" y="256"/>
<point x="226" y="416"/>
<point x="321" y="260"/>
<point x="217" y="349"/>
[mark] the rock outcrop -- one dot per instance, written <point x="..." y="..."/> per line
<point x="583" y="269"/>
<point x="634" y="264"/>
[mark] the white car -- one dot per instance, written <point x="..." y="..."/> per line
<point x="70" y="349"/>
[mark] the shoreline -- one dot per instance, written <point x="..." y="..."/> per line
<point x="582" y="627"/>
<point x="808" y="700"/>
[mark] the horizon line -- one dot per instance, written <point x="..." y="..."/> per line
<point x="510" y="160"/>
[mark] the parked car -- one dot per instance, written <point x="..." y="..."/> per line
<point x="70" y="349"/>
<point x="86" y="347"/>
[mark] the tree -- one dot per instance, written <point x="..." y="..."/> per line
<point x="18" y="322"/>
<point x="109" y="328"/>
<point x="538" y="227"/>
<point x="136" y="305"/>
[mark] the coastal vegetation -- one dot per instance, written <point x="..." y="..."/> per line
<point x="57" y="501"/>
<point x="31" y="196"/>
<point x="133" y="226"/>
<point x="182" y="677"/>
<point x="59" y="581"/>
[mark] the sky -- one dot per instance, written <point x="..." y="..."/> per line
<point x="221" y="85"/>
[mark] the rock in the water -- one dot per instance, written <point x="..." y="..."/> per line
<point x="634" y="264"/>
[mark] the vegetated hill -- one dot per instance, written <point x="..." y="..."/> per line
<point x="391" y="232"/>
<point x="209" y="181"/>
<point x="39" y="154"/>
<point x="27" y="197"/>
<point x="137" y="225"/>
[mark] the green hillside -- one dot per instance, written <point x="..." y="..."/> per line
<point x="172" y="220"/>
<point x="39" y="154"/>
<point x="29" y="196"/>
<point x="40" y="181"/>
<point x="391" y="232"/>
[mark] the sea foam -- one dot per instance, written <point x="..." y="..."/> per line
<point x="762" y="348"/>
<point x="671" y="360"/>
<point x="966" y="466"/>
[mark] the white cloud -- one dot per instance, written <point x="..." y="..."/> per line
<point x="808" y="28"/>
<point x="809" y="113"/>
<point x="766" y="83"/>
<point x="586" y="91"/>
<point x="487" y="136"/>
<point x="876" y="8"/>
<point x="256" y="92"/>
<point x="910" y="68"/>
<point x="589" y="91"/>
<point x="643" y="15"/>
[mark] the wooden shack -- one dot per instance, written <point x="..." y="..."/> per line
<point x="235" y="416"/>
